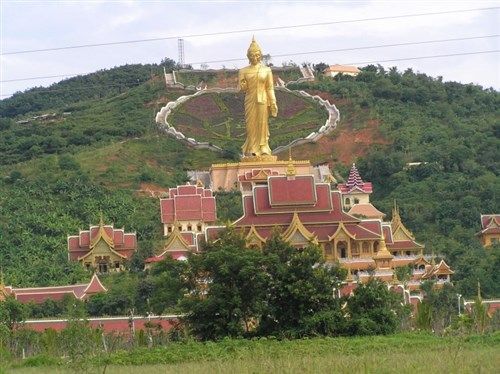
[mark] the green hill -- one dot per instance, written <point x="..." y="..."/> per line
<point x="98" y="147"/>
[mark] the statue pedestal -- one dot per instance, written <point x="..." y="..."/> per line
<point x="227" y="176"/>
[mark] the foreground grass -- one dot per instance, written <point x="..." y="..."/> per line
<point x="415" y="353"/>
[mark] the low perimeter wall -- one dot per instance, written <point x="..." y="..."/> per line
<point x="108" y="324"/>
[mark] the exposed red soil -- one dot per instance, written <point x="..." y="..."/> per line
<point x="345" y="144"/>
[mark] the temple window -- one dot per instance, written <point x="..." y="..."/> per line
<point x="103" y="267"/>
<point x="366" y="247"/>
<point x="117" y="265"/>
<point x="87" y="265"/>
<point x="169" y="229"/>
<point x="180" y="227"/>
<point x="421" y="267"/>
<point x="342" y="249"/>
<point x="408" y="253"/>
<point x="347" y="201"/>
<point x="190" y="228"/>
<point x="394" y="253"/>
<point x="356" y="201"/>
<point x="375" y="247"/>
<point x="198" y="228"/>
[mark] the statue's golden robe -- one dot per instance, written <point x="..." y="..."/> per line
<point x="257" y="82"/>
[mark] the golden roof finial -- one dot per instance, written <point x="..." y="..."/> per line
<point x="396" y="218"/>
<point x="290" y="169"/>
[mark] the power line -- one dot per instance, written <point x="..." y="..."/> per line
<point x="423" y="57"/>
<point x="347" y="63"/>
<point x="284" y="55"/>
<point x="355" y="48"/>
<point x="245" y="31"/>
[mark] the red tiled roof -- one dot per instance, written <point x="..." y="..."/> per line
<point x="403" y="244"/>
<point x="94" y="286"/>
<point x="118" y="237"/>
<point x="285" y="191"/>
<point x="387" y="234"/>
<point x="188" y="207"/>
<point x="188" y="203"/>
<point x="490" y="224"/>
<point x="348" y="288"/>
<point x="263" y="205"/>
<point x="124" y="244"/>
<point x="84" y="238"/>
<point x="40" y="294"/>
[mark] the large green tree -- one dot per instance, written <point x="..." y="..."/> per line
<point x="300" y="290"/>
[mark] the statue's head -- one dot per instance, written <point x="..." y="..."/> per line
<point x="254" y="52"/>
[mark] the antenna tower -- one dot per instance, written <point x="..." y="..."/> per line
<point x="180" y="45"/>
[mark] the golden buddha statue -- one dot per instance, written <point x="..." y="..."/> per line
<point x="256" y="80"/>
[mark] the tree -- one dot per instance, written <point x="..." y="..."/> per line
<point x="320" y="67"/>
<point x="167" y="284"/>
<point x="12" y="312"/>
<point x="300" y="298"/>
<point x="227" y="288"/>
<point x="374" y="309"/>
<point x="441" y="305"/>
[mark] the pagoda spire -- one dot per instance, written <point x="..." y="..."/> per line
<point x="396" y="218"/>
<point x="354" y="178"/>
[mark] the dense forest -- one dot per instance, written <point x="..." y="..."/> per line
<point x="98" y="145"/>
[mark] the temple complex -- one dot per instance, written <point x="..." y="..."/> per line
<point x="102" y="248"/>
<point x="342" y="222"/>
<point x="38" y="295"/>
<point x="490" y="229"/>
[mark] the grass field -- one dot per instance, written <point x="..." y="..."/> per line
<point x="403" y="353"/>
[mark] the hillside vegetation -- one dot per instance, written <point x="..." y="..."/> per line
<point x="58" y="172"/>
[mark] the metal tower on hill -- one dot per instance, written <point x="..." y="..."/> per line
<point x="180" y="46"/>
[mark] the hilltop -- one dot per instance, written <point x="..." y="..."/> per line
<point x="89" y="144"/>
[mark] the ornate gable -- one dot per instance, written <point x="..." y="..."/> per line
<point x="443" y="269"/>
<point x="175" y="242"/>
<point x="341" y="233"/>
<point x="253" y="238"/>
<point x="297" y="233"/>
<point x="102" y="244"/>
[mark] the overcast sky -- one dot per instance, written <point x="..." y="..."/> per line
<point x="28" y="25"/>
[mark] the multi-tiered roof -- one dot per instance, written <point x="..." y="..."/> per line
<point x="121" y="244"/>
<point x="355" y="183"/>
